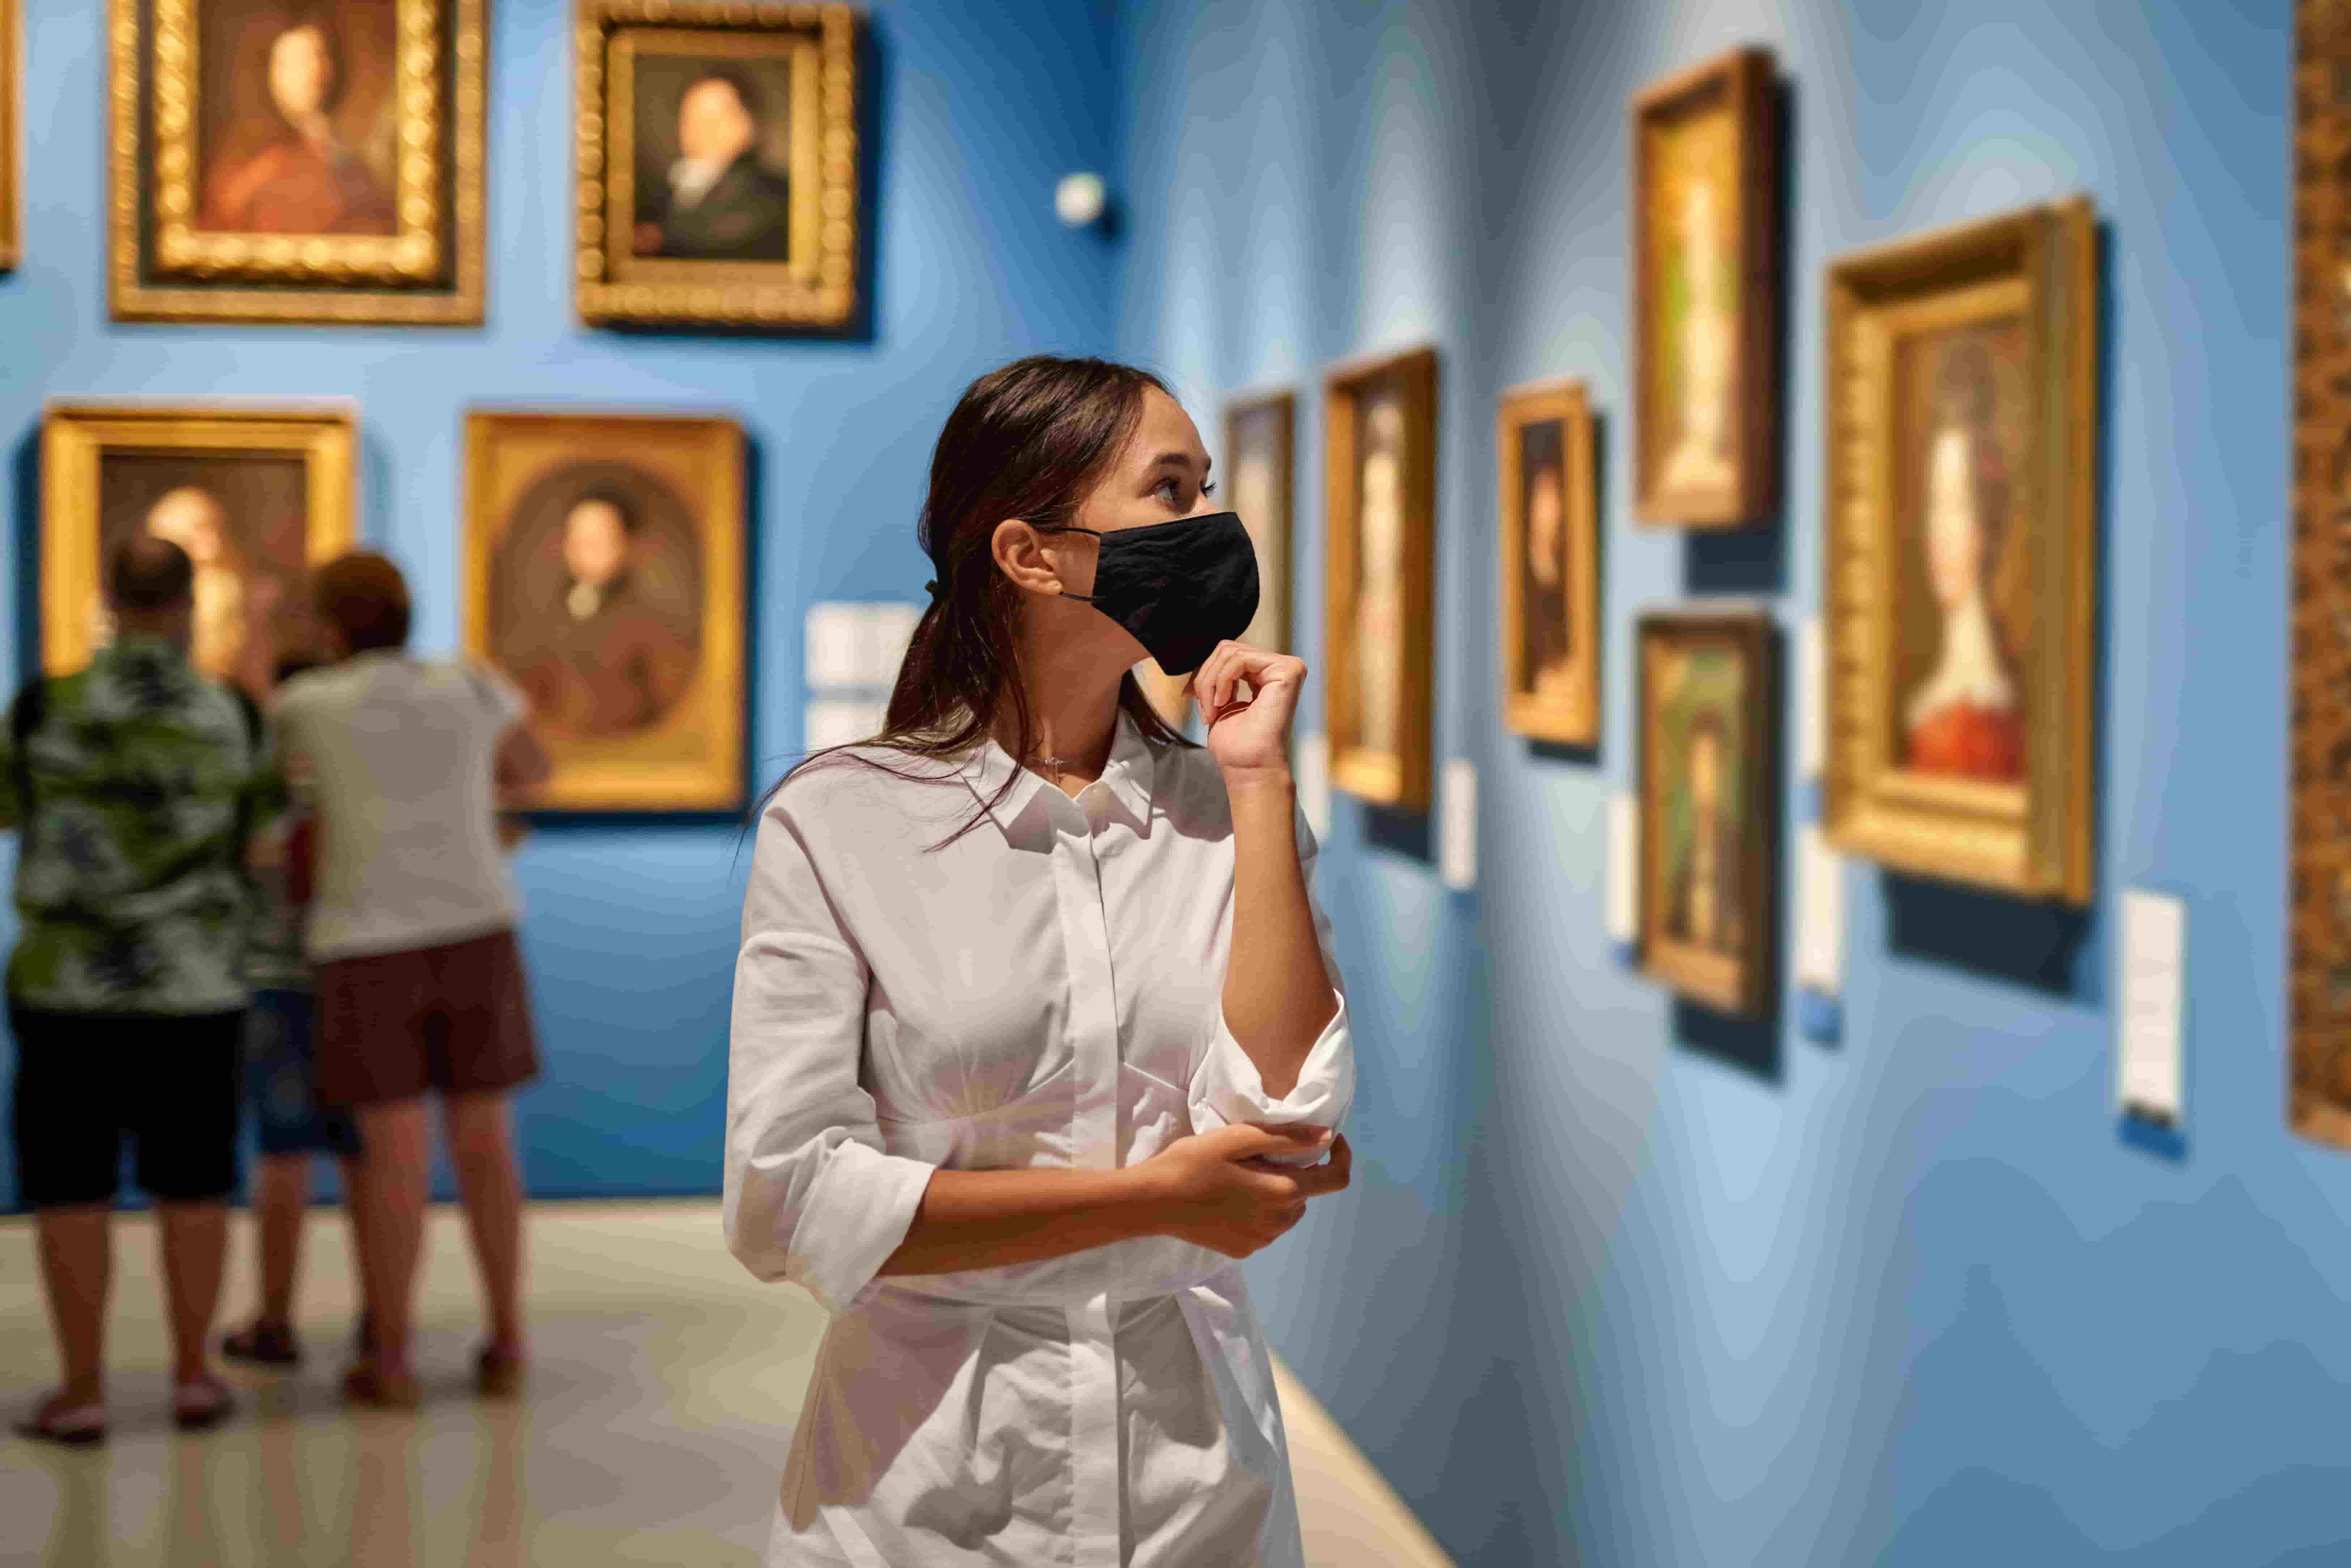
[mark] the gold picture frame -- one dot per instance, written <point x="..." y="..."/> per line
<point x="1709" y="840"/>
<point x="1705" y="264"/>
<point x="1546" y="481"/>
<point x="1961" y="586"/>
<point x="683" y="267"/>
<point x="110" y="466"/>
<point x="604" y="561"/>
<point x="1379" y="581"/>
<point x="2318" y="1093"/>
<point x="12" y="174"/>
<point x="222" y="211"/>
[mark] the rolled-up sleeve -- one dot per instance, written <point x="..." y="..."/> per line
<point x="811" y="1195"/>
<point x="1227" y="1087"/>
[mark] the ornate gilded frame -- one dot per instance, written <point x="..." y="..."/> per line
<point x="2319" y="839"/>
<point x="75" y="437"/>
<point x="1743" y="85"/>
<point x="12" y="172"/>
<point x="163" y="268"/>
<point x="2035" y="838"/>
<point x="1743" y="986"/>
<point x="701" y="458"/>
<point x="1401" y="777"/>
<point x="1571" y="718"/>
<point x="818" y="289"/>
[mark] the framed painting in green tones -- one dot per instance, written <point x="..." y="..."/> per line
<point x="1547" y="501"/>
<point x="1705" y="294"/>
<point x="1709" y="809"/>
<point x="1960" y="586"/>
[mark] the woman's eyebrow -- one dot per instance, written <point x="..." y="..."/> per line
<point x="1179" y="460"/>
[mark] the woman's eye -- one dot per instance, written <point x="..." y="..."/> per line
<point x="1208" y="486"/>
<point x="1167" y="488"/>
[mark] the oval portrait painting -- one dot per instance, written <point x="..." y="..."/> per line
<point x="596" y="600"/>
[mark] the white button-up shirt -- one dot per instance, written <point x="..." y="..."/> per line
<point x="1045" y="991"/>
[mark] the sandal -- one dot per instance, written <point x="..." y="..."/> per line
<point x="70" y="1425"/>
<point x="199" y="1407"/>
<point x="497" y="1374"/>
<point x="363" y="1384"/>
<point x="263" y="1343"/>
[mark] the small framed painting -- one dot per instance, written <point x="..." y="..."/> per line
<point x="1709" y="810"/>
<point x="1379" y="476"/>
<point x="276" y="162"/>
<point x="604" y="576"/>
<point x="718" y="164"/>
<point x="255" y="495"/>
<point x="11" y="175"/>
<point x="1548" y="502"/>
<point x="1705" y="294"/>
<point x="1960" y="569"/>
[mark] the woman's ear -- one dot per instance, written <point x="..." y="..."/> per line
<point x="1022" y="555"/>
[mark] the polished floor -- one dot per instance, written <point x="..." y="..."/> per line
<point x="664" y="1387"/>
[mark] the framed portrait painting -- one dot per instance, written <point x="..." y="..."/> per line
<point x="1379" y="450"/>
<point x="1548" y="501"/>
<point x="296" y="161"/>
<point x="1961" y="564"/>
<point x="718" y="164"/>
<point x="1705" y="294"/>
<point x="2319" y="839"/>
<point x="1709" y="813"/>
<point x="255" y="495"/>
<point x="11" y="173"/>
<point x="604" y="576"/>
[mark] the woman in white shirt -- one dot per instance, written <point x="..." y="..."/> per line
<point x="1036" y="1027"/>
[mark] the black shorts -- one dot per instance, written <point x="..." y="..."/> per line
<point x="85" y="1080"/>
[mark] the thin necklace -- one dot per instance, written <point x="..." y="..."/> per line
<point x="1063" y="763"/>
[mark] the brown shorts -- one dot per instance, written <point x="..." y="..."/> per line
<point x="454" y="1017"/>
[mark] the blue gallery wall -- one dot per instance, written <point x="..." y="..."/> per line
<point x="1619" y="1286"/>
<point x="630" y="930"/>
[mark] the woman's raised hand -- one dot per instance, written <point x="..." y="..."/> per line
<point x="1249" y="735"/>
<point x="1212" y="1189"/>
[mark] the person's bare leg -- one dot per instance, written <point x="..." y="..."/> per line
<point x="388" y="1205"/>
<point x="281" y="1201"/>
<point x="77" y="1269"/>
<point x="195" y="1248"/>
<point x="480" y="1145"/>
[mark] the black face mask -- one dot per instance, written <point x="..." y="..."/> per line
<point x="1181" y="587"/>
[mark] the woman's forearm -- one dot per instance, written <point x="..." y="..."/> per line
<point x="983" y="1220"/>
<point x="1278" y="996"/>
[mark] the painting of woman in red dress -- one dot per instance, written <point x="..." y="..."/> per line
<point x="288" y="167"/>
<point x="1963" y="720"/>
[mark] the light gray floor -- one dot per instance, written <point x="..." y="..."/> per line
<point x="663" y="1387"/>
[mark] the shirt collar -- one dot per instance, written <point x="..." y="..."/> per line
<point x="1127" y="775"/>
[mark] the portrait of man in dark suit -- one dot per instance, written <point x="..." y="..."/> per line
<point x="719" y="199"/>
<point x="599" y="632"/>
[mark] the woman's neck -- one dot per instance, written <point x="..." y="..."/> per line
<point x="1073" y="714"/>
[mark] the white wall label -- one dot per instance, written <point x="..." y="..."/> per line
<point x="1812" y="700"/>
<point x="1623" y="877"/>
<point x="1819" y="912"/>
<point x="857" y="644"/>
<point x="2148" y="1069"/>
<point x="1456" y="858"/>
<point x="1314" y="781"/>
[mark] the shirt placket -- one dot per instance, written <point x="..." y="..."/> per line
<point x="1094" y="1480"/>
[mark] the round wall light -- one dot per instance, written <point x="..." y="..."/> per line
<point x="1080" y="199"/>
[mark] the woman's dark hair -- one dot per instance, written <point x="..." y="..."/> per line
<point x="363" y="597"/>
<point x="1029" y="441"/>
